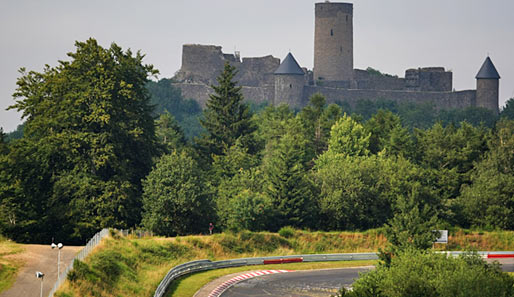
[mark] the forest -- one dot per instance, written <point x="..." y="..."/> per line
<point x="105" y="144"/>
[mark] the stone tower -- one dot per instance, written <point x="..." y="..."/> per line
<point x="333" y="42"/>
<point x="289" y="82"/>
<point x="488" y="81"/>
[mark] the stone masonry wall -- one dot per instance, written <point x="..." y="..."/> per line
<point x="288" y="89"/>
<point x="487" y="93"/>
<point x="200" y="92"/>
<point x="442" y="100"/>
<point x="432" y="79"/>
<point x="204" y="63"/>
<point x="257" y="71"/>
<point x="200" y="63"/>
<point x="365" y="80"/>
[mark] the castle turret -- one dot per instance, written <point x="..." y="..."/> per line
<point x="289" y="83"/>
<point x="488" y="86"/>
<point x="333" y="42"/>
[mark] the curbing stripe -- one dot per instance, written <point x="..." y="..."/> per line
<point x="227" y="284"/>
<point x="500" y="256"/>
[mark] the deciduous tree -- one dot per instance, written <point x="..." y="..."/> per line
<point x="175" y="198"/>
<point x="89" y="139"/>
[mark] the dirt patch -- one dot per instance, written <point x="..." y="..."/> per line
<point x="38" y="258"/>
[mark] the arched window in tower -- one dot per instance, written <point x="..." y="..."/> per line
<point x="290" y="86"/>
<point x="331" y="32"/>
<point x="347" y="19"/>
<point x="341" y="49"/>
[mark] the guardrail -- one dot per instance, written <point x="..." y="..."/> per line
<point x="91" y="244"/>
<point x="202" y="265"/>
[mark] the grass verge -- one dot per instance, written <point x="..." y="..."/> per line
<point x="8" y="267"/>
<point x="129" y="267"/>
<point x="189" y="285"/>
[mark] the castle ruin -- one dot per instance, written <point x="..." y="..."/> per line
<point x="265" y="79"/>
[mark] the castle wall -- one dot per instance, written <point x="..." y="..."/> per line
<point x="432" y="79"/>
<point x="368" y="81"/>
<point x="333" y="42"/>
<point x="200" y="92"/>
<point x="204" y="63"/>
<point x="257" y="71"/>
<point x="442" y="100"/>
<point x="200" y="63"/>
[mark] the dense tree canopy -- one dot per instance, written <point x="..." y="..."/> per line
<point x="89" y="139"/>
<point x="96" y="127"/>
<point x="168" y="99"/>
<point x="489" y="200"/>
<point x="175" y="198"/>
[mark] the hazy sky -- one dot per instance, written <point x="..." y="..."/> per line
<point x="391" y="35"/>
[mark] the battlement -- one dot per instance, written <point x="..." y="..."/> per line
<point x="433" y="79"/>
<point x="331" y="10"/>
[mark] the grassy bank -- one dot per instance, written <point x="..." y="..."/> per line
<point x="128" y="267"/>
<point x="8" y="267"/>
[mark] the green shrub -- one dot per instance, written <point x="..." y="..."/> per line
<point x="426" y="274"/>
<point x="197" y="243"/>
<point x="267" y="242"/>
<point x="286" y="231"/>
<point x="82" y="271"/>
<point x="108" y="264"/>
<point x="230" y="243"/>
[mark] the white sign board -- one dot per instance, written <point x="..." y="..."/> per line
<point x="443" y="236"/>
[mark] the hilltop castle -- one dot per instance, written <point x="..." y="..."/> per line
<point x="265" y="79"/>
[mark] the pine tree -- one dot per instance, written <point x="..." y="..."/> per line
<point x="287" y="185"/>
<point x="226" y="118"/>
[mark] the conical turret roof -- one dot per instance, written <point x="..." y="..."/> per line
<point x="488" y="70"/>
<point x="289" y="66"/>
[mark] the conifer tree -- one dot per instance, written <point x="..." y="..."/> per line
<point x="3" y="142"/>
<point x="286" y="184"/>
<point x="226" y="118"/>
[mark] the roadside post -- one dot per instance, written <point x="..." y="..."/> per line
<point x="59" y="247"/>
<point x="40" y="275"/>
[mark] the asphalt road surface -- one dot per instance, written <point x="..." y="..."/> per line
<point x="507" y="264"/>
<point x="307" y="283"/>
<point x="314" y="283"/>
